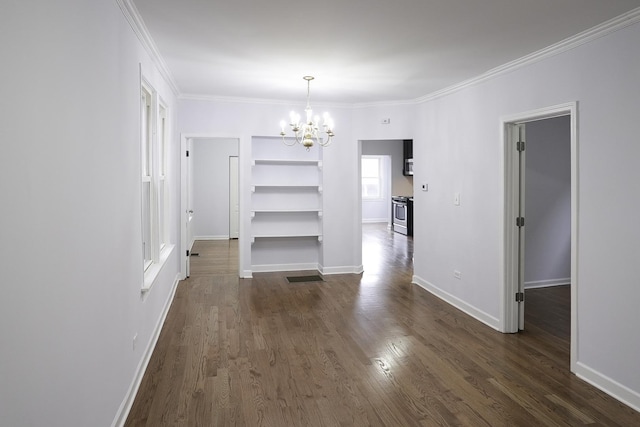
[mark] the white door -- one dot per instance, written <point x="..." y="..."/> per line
<point x="234" y="210"/>
<point x="189" y="208"/>
<point x="520" y="221"/>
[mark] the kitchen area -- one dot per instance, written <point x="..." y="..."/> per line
<point x="393" y="204"/>
<point x="402" y="205"/>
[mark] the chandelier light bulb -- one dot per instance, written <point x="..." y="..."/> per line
<point x="308" y="133"/>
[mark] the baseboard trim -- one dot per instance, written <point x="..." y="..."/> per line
<point x="469" y="309"/>
<point x="547" y="283"/>
<point x="127" y="403"/>
<point x="269" y="268"/>
<point x="613" y="388"/>
<point x="349" y="269"/>
<point x="374" y="220"/>
<point x="211" y="238"/>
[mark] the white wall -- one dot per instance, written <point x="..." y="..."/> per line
<point x="341" y="209"/>
<point x="70" y="217"/>
<point x="210" y="183"/>
<point x="458" y="148"/>
<point x="548" y="202"/>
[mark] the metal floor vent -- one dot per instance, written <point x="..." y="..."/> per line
<point x="297" y="279"/>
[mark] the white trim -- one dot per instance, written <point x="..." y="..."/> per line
<point x="375" y="220"/>
<point x="226" y="237"/>
<point x="577" y="40"/>
<point x="507" y="304"/>
<point x="155" y="268"/>
<point x="138" y="26"/>
<point x="613" y="388"/>
<point x="127" y="403"/>
<point x="601" y="30"/>
<point x="461" y="305"/>
<point x="184" y="138"/>
<point x="355" y="269"/>
<point x="535" y="284"/>
<point x="269" y="268"/>
<point x="326" y="271"/>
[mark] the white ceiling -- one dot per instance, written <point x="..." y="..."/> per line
<point x="360" y="51"/>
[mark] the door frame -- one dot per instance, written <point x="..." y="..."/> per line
<point x="234" y="184"/>
<point x="509" y="318"/>
<point x="184" y="189"/>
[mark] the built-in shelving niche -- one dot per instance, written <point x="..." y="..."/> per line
<point x="286" y="206"/>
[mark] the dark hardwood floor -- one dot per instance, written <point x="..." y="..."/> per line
<point x="357" y="350"/>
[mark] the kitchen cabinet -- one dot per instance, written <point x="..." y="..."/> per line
<point x="407" y="151"/>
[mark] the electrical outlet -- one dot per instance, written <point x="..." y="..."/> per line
<point x="457" y="274"/>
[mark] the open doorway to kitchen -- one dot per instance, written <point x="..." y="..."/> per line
<point x="383" y="180"/>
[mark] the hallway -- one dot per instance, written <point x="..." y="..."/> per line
<point x="368" y="349"/>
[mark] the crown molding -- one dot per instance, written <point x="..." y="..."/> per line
<point x="138" y="26"/>
<point x="607" y="27"/>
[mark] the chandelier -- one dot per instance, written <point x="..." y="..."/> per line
<point x="309" y="132"/>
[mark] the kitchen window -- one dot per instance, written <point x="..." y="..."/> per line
<point x="371" y="177"/>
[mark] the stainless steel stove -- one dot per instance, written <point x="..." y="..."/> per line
<point x="402" y="214"/>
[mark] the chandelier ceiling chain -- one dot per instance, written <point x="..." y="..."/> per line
<point x="309" y="132"/>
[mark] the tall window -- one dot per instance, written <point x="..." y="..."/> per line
<point x="371" y="177"/>
<point x="146" y="115"/>
<point x="162" y="176"/>
<point x="153" y="153"/>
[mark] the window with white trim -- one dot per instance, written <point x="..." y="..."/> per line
<point x="153" y="155"/>
<point x="162" y="177"/>
<point x="146" y="117"/>
<point x="371" y="177"/>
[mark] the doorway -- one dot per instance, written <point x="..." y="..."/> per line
<point x="206" y="184"/>
<point x="515" y="215"/>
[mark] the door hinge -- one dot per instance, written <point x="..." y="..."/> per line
<point x="520" y="145"/>
<point x="187" y="252"/>
<point x="520" y="221"/>
<point x="187" y="153"/>
<point x="519" y="296"/>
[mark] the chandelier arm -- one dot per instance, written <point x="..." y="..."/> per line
<point x="282" y="134"/>
<point x="325" y="144"/>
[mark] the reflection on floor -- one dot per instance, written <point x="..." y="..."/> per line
<point x="368" y="349"/>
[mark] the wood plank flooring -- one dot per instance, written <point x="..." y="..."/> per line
<point x="356" y="350"/>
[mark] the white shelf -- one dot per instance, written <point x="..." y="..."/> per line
<point x="287" y="162"/>
<point x="319" y="211"/>
<point x="286" y="205"/>
<point x="286" y="236"/>
<point x="301" y="187"/>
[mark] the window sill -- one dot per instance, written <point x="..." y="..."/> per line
<point x="151" y="273"/>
